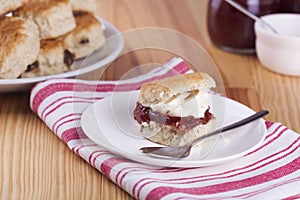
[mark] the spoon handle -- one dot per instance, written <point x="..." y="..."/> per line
<point x="242" y="9"/>
<point x="249" y="14"/>
<point x="234" y="125"/>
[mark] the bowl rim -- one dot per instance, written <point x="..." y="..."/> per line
<point x="260" y="31"/>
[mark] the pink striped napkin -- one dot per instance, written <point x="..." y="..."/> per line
<point x="269" y="172"/>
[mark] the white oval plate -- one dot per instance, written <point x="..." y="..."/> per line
<point x="100" y="58"/>
<point x="110" y="124"/>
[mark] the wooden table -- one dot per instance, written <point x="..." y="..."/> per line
<point x="35" y="164"/>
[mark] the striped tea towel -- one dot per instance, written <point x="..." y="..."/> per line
<point x="269" y="172"/>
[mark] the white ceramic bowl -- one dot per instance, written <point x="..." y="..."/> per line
<point x="279" y="52"/>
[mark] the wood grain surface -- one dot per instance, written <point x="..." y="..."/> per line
<point x="35" y="164"/>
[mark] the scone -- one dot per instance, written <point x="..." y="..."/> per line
<point x="175" y="111"/>
<point x="87" y="37"/>
<point x="52" y="59"/>
<point x="9" y="5"/>
<point x="19" y="44"/>
<point x="54" y="18"/>
<point x="85" y="5"/>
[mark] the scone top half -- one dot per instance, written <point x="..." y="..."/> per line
<point x="180" y="95"/>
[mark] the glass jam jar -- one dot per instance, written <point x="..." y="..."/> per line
<point x="231" y="30"/>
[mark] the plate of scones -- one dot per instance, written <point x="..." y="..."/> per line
<point x="46" y="39"/>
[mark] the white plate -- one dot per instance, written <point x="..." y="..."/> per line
<point x="110" y="124"/>
<point x="100" y="58"/>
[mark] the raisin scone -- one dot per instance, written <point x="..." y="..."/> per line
<point x="19" y="46"/>
<point x="54" y="18"/>
<point x="53" y="58"/>
<point x="87" y="37"/>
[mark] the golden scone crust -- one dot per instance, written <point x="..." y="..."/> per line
<point x="40" y="6"/>
<point x="163" y="89"/>
<point x="54" y="18"/>
<point x="85" y="5"/>
<point x="9" y="5"/>
<point x="52" y="59"/>
<point x="19" y="46"/>
<point x="87" y="37"/>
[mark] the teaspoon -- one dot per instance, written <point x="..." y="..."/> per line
<point x="184" y="151"/>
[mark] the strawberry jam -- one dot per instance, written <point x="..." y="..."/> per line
<point x="181" y="124"/>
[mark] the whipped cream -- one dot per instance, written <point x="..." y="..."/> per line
<point x="183" y="107"/>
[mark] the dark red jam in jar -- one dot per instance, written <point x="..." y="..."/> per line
<point x="231" y="30"/>
<point x="290" y="6"/>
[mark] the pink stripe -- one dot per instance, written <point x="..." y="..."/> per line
<point x="92" y="154"/>
<point x="275" y="131"/>
<point x="268" y="124"/>
<point x="289" y="168"/>
<point x="48" y="90"/>
<point x="101" y="152"/>
<point x="251" y="194"/>
<point x="57" y="87"/>
<point x="72" y="134"/>
<point x="51" y="104"/>
<point x="119" y="181"/>
<point x="269" y="142"/>
<point x="77" y="148"/>
<point x="297" y="196"/>
<point x="63" y="103"/>
<point x="62" y="118"/>
<point x="97" y="156"/>
<point x="217" y="176"/>
<point x="63" y="98"/>
<point x="66" y="140"/>
<point x="108" y="164"/>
